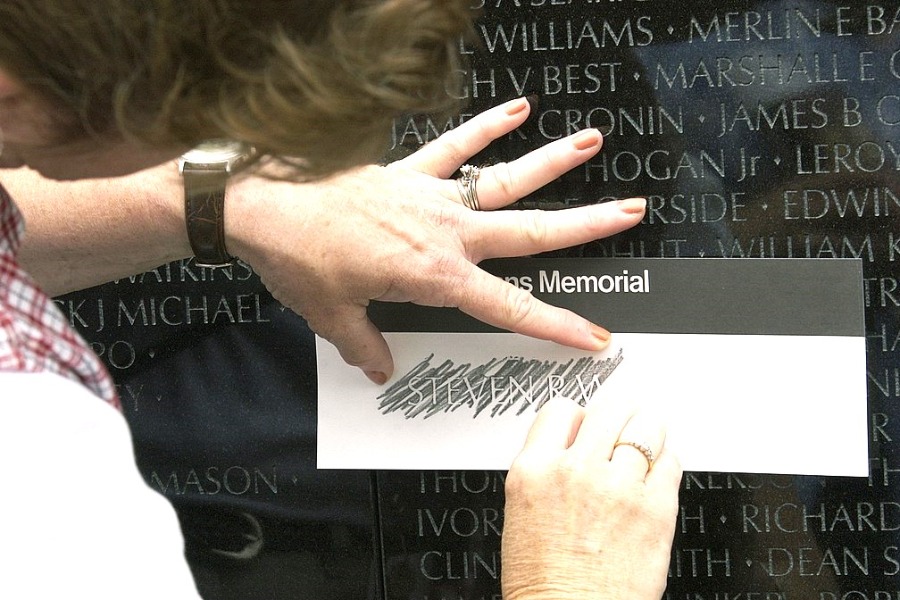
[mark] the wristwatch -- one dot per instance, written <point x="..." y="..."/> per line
<point x="205" y="171"/>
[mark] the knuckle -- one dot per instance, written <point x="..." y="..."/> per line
<point x="323" y="326"/>
<point x="522" y="475"/>
<point x="503" y="178"/>
<point x="519" y="306"/>
<point x="547" y="157"/>
<point x="518" y="476"/>
<point x="528" y="474"/>
<point x="454" y="145"/>
<point x="439" y="278"/>
<point x="568" y="469"/>
<point x="534" y="228"/>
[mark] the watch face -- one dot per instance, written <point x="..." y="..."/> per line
<point x="216" y="151"/>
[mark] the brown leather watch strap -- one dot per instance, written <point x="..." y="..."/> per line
<point x="204" y="197"/>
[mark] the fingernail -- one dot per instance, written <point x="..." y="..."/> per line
<point x="589" y="138"/>
<point x="632" y="206"/>
<point x="516" y="106"/>
<point x="377" y="377"/>
<point x="532" y="101"/>
<point x="601" y="335"/>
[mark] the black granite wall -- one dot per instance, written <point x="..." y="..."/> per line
<point x="755" y="129"/>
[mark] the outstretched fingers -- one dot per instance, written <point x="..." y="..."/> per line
<point x="502" y="184"/>
<point x="520" y="233"/>
<point x="501" y="304"/>
<point x="444" y="155"/>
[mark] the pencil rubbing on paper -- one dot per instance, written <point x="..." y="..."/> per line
<point x="512" y="383"/>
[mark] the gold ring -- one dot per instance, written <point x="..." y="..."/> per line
<point x="466" y="185"/>
<point x="642" y="448"/>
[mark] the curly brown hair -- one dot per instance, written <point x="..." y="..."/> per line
<point x="315" y="82"/>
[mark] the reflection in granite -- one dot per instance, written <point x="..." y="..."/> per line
<point x="755" y="129"/>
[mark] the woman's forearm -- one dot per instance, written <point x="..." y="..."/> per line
<point x="80" y="234"/>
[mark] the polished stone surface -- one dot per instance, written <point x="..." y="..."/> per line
<point x="755" y="129"/>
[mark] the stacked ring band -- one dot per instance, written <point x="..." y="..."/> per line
<point x="466" y="184"/>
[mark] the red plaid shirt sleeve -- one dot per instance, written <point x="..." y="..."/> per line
<point x="34" y="335"/>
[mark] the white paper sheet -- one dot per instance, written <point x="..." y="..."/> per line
<point x="736" y="403"/>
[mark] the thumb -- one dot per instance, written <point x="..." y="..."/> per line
<point x="357" y="340"/>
